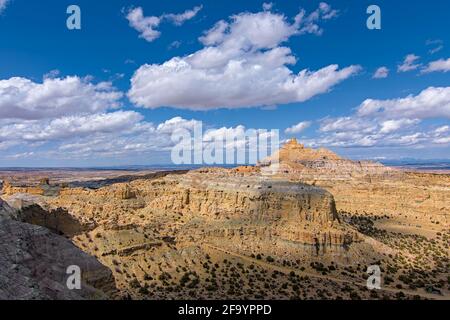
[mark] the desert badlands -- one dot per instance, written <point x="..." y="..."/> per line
<point x="310" y="230"/>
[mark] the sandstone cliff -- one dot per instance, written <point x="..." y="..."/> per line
<point x="219" y="204"/>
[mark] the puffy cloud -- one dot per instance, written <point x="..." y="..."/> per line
<point x="176" y="123"/>
<point x="346" y="124"/>
<point x="179" y="19"/>
<point x="177" y="84"/>
<point x="375" y="134"/>
<point x="147" y="26"/>
<point x="381" y="73"/>
<point x="443" y="140"/>
<point x="71" y="126"/>
<point x="430" y="103"/>
<point x="299" y="127"/>
<point x="243" y="64"/>
<point x="33" y="134"/>
<point x="81" y="134"/>
<point x="309" y="23"/>
<point x="119" y="134"/>
<point x="72" y="118"/>
<point x="443" y="129"/>
<point x="137" y="137"/>
<point x="441" y="65"/>
<point x="394" y="125"/>
<point x="21" y="98"/>
<point x="409" y="63"/>
<point x="442" y="135"/>
<point x="386" y="123"/>
<point x="215" y="35"/>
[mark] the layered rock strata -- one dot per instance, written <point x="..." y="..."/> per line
<point x="217" y="203"/>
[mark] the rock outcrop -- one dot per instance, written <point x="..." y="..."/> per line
<point x="9" y="189"/>
<point x="34" y="264"/>
<point x="5" y="210"/>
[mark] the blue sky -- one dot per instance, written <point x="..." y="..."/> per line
<point x="88" y="112"/>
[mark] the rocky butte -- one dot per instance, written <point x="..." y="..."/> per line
<point x="365" y="186"/>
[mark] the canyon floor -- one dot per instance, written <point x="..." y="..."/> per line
<point x="307" y="230"/>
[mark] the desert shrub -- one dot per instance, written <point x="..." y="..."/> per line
<point x="148" y="277"/>
<point x="135" y="284"/>
<point x="144" y="290"/>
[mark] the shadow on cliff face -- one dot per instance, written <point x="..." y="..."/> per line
<point x="34" y="263"/>
<point x="58" y="221"/>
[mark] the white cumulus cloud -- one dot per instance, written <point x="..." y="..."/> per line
<point x="441" y="65"/>
<point x="299" y="127"/>
<point x="390" y="123"/>
<point x="409" y="63"/>
<point x="21" y="98"/>
<point x="394" y="125"/>
<point x="147" y="25"/>
<point x="179" y="19"/>
<point x="243" y="64"/>
<point x="430" y="103"/>
<point x="381" y="73"/>
<point x="69" y="126"/>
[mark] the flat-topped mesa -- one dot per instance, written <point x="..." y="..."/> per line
<point x="258" y="207"/>
<point x="223" y="194"/>
<point x="9" y="189"/>
<point x="217" y="204"/>
<point x="42" y="188"/>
